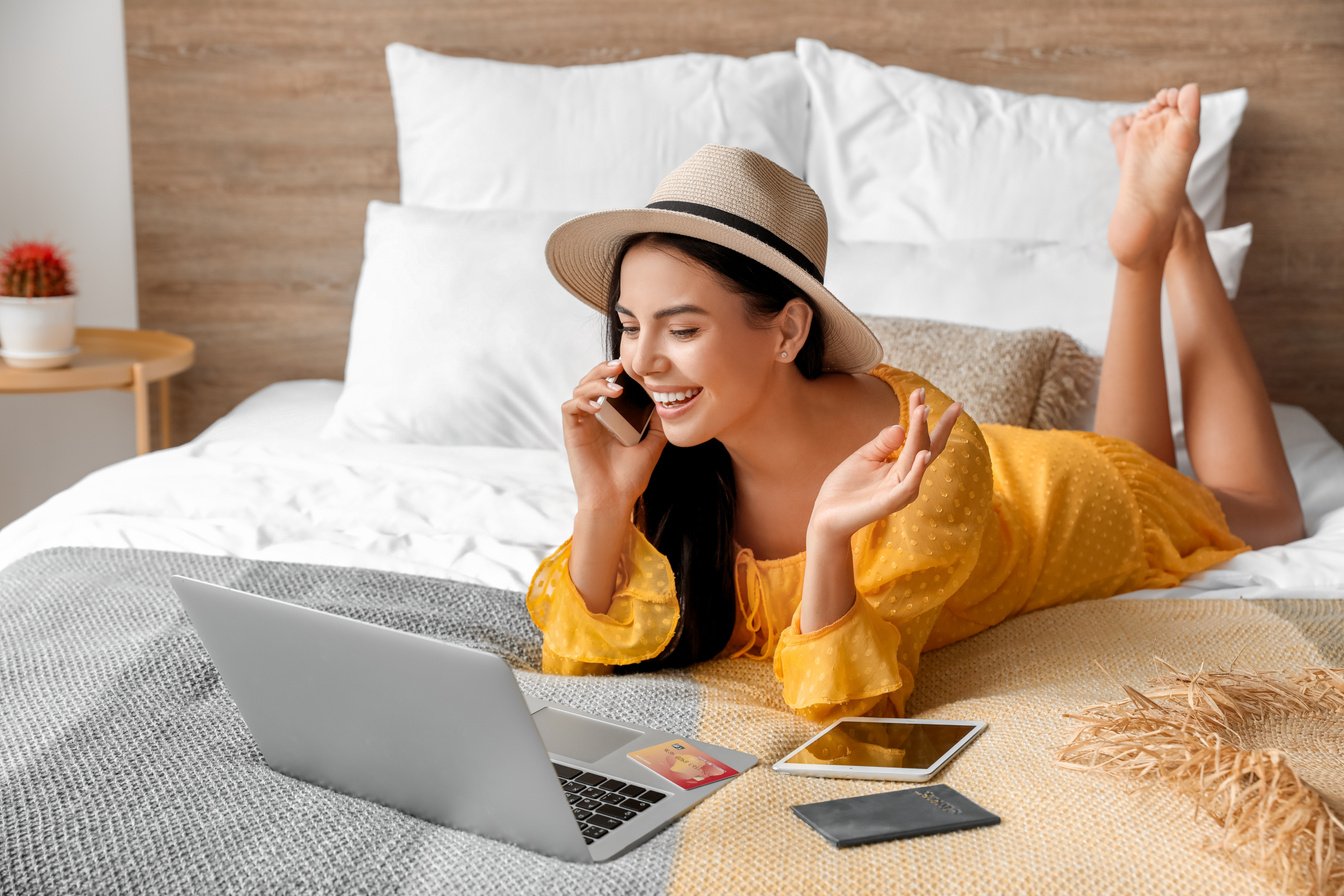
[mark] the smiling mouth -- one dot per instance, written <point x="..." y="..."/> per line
<point x="674" y="399"/>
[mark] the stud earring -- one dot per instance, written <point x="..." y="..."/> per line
<point x="783" y="354"/>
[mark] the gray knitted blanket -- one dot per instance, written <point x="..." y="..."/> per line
<point x="125" y="767"/>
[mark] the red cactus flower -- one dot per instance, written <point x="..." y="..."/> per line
<point x="34" y="270"/>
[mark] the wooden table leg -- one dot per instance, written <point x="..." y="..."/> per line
<point x="165" y="430"/>
<point x="141" y="390"/>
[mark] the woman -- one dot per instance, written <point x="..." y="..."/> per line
<point x="795" y="500"/>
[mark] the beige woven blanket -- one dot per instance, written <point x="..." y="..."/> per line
<point x="1063" y="831"/>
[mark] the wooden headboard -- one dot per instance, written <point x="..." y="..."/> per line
<point x="261" y="130"/>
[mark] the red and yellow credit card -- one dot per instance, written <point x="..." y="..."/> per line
<point x="683" y="764"/>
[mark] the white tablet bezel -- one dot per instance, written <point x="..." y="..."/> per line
<point x="876" y="772"/>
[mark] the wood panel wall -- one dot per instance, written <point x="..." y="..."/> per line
<point x="260" y="131"/>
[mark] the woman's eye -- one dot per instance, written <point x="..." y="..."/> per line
<point x="629" y="331"/>
<point x="685" y="334"/>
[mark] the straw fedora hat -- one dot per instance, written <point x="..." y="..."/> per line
<point x="735" y="198"/>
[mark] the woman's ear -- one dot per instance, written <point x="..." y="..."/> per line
<point x="795" y="322"/>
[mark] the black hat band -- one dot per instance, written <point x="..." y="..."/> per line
<point x="742" y="225"/>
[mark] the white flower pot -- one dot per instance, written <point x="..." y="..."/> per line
<point x="37" y="332"/>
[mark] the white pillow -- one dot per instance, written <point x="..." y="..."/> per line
<point x="477" y="133"/>
<point x="897" y="154"/>
<point x="460" y="334"/>
<point x="1009" y="285"/>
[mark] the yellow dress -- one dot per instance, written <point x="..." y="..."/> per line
<point x="1008" y="520"/>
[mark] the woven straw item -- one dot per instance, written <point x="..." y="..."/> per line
<point x="1262" y="753"/>
<point x="747" y="186"/>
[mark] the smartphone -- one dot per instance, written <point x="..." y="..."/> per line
<point x="626" y="415"/>
<point x="884" y="749"/>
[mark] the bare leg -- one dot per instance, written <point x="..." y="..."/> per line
<point x="1154" y="148"/>
<point x="1233" y="440"/>
<point x="1234" y="444"/>
<point x="1132" y="395"/>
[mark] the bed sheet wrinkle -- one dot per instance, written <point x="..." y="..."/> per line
<point x="713" y="100"/>
<point x="482" y="515"/>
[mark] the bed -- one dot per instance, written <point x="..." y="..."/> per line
<point x="423" y="489"/>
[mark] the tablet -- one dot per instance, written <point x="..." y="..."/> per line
<point x="886" y="749"/>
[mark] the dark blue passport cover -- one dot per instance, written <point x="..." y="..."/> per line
<point x="896" y="814"/>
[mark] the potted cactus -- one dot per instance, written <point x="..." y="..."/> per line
<point x="37" y="306"/>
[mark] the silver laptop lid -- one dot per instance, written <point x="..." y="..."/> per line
<point x="362" y="709"/>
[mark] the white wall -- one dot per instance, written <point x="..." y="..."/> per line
<point x="65" y="175"/>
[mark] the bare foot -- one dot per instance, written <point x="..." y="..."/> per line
<point x="1154" y="147"/>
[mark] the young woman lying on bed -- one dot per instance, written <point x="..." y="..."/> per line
<point x="761" y="517"/>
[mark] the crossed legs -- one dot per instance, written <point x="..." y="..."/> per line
<point x="1230" y="431"/>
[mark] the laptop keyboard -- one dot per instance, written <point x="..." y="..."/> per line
<point x="600" y="803"/>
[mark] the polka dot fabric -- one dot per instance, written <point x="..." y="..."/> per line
<point x="1008" y="520"/>
<point x="637" y="625"/>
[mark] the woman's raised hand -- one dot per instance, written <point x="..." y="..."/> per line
<point x="606" y="473"/>
<point x="868" y="485"/>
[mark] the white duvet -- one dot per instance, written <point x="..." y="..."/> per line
<point x="260" y="484"/>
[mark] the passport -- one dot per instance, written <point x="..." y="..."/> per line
<point x="894" y="815"/>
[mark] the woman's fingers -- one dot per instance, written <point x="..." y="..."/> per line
<point x="881" y="447"/>
<point x="587" y="395"/>
<point x="599" y="389"/>
<point x="919" y="421"/>
<point x="596" y="383"/>
<point x="602" y="371"/>
<point x="910" y="466"/>
<point x="600" y="374"/>
<point x="917" y="442"/>
<point x="918" y="438"/>
<point x="943" y="430"/>
<point x="917" y="467"/>
<point x="906" y="489"/>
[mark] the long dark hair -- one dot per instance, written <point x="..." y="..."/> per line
<point x="688" y="509"/>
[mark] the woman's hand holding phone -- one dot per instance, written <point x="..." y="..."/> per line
<point x="605" y="472"/>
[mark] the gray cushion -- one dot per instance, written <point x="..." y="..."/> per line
<point x="1038" y="378"/>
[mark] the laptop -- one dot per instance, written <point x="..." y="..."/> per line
<point x="434" y="729"/>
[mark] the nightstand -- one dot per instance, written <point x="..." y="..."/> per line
<point x="127" y="360"/>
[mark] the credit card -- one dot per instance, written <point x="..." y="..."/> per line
<point x="683" y="764"/>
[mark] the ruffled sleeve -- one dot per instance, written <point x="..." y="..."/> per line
<point x="637" y="626"/>
<point x="906" y="567"/>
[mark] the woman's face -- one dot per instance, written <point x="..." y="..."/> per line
<point x="687" y="340"/>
